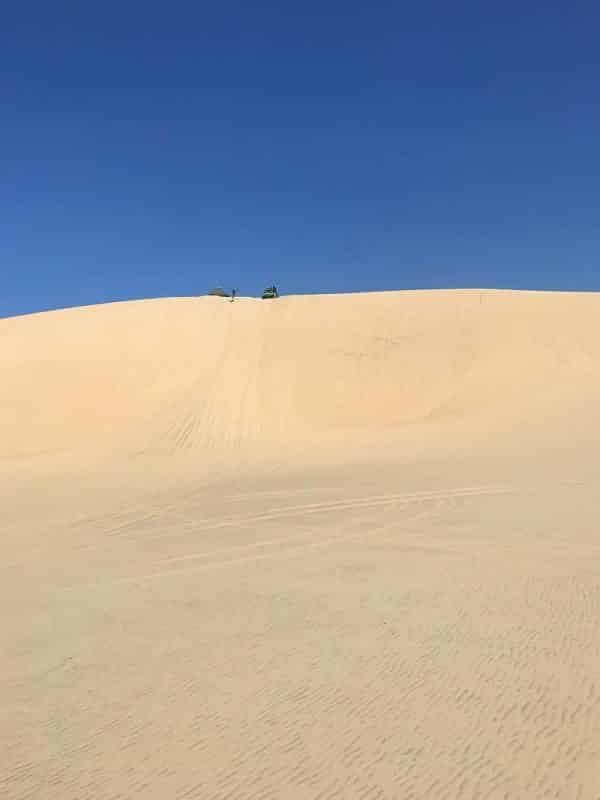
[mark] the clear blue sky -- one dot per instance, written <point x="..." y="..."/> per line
<point x="153" y="149"/>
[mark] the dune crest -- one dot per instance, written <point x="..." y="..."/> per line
<point x="305" y="373"/>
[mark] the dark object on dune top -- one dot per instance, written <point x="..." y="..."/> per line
<point x="270" y="293"/>
<point x="218" y="292"/>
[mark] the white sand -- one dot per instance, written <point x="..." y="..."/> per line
<point x="320" y="547"/>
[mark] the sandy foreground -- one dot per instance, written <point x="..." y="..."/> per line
<point x="321" y="547"/>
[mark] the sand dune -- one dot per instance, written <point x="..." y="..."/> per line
<point x="251" y="377"/>
<point x="321" y="547"/>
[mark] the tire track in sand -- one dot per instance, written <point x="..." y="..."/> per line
<point x="244" y="553"/>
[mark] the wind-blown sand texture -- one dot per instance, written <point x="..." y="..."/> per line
<point x="313" y="548"/>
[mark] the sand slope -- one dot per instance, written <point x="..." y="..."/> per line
<point x="249" y="377"/>
<point x="324" y="547"/>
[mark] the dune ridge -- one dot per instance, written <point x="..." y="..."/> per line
<point x="301" y="373"/>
